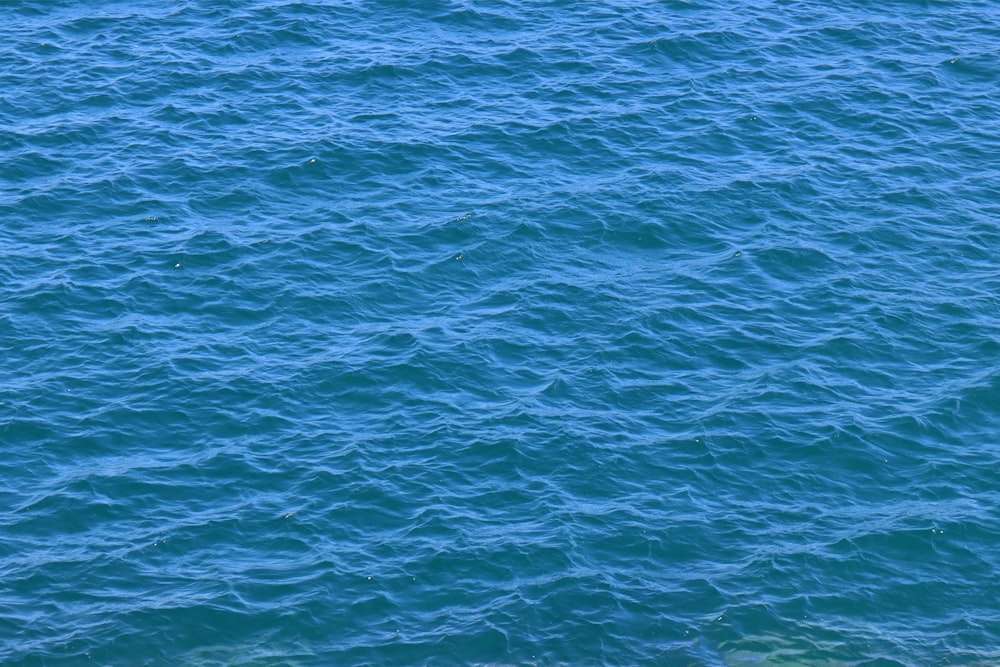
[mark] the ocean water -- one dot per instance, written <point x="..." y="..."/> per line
<point x="529" y="333"/>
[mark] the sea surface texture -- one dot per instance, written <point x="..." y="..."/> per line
<point x="550" y="332"/>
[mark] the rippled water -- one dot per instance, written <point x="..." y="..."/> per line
<point x="447" y="332"/>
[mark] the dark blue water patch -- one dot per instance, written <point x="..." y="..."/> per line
<point x="487" y="333"/>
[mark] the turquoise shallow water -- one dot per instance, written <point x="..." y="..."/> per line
<point x="485" y="332"/>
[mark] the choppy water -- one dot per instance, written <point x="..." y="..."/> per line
<point x="445" y="332"/>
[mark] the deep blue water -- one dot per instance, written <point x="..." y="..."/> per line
<point x="446" y="332"/>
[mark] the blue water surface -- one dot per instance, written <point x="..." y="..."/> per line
<point x="536" y="333"/>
